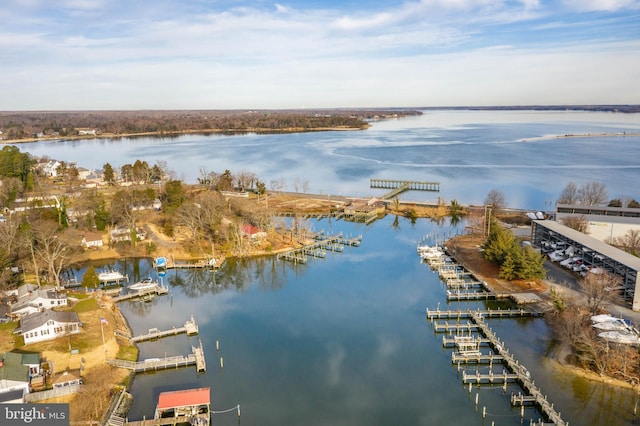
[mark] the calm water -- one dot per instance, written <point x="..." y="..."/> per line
<point x="469" y="152"/>
<point x="342" y="341"/>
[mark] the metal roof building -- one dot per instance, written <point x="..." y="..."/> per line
<point x="594" y="252"/>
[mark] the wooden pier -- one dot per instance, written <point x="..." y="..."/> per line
<point x="319" y="248"/>
<point x="399" y="186"/>
<point x="190" y="328"/>
<point x="470" y="295"/>
<point x="488" y="313"/>
<point x="196" y="357"/>
<point x="200" y="264"/>
<point x="513" y="371"/>
<point x="157" y="290"/>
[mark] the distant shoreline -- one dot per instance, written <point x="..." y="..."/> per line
<point x="264" y="131"/>
<point x="581" y="135"/>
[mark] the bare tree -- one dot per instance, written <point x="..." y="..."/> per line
<point x="629" y="242"/>
<point x="305" y="185"/>
<point x="592" y="194"/>
<point x="245" y="179"/>
<point x="49" y="249"/>
<point x="577" y="222"/>
<point x="569" y="194"/>
<point x="600" y="288"/>
<point x="496" y="200"/>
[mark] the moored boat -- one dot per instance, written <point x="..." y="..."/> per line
<point x="110" y="275"/>
<point x="145" y="284"/>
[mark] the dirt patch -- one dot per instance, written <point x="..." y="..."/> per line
<point x="467" y="251"/>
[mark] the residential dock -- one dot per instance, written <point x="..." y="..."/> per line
<point x="196" y="357"/>
<point x="157" y="290"/>
<point x="190" y="328"/>
<point x="319" y="248"/>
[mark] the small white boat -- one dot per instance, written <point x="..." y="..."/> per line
<point x="145" y="284"/>
<point x="626" y="337"/>
<point x="110" y="275"/>
<point x="430" y="252"/>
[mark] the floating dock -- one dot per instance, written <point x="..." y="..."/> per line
<point x="196" y="357"/>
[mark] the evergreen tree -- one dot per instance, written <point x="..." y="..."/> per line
<point x="90" y="278"/>
<point x="108" y="174"/>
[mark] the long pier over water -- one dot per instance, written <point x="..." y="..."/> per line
<point x="469" y="352"/>
<point x="400" y="186"/>
<point x="196" y="357"/>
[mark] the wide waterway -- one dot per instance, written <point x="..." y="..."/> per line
<point x="343" y="341"/>
<point x="469" y="152"/>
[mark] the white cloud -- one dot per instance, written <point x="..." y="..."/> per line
<point x="602" y="5"/>
<point x="419" y="53"/>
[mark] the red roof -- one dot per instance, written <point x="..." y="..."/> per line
<point x="183" y="398"/>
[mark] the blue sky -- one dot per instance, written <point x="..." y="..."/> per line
<point x="201" y="54"/>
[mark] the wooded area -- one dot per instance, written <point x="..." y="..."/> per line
<point x="41" y="124"/>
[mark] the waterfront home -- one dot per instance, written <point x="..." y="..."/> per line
<point x="92" y="240"/>
<point x="50" y="168"/>
<point x="124" y="234"/>
<point x="34" y="299"/>
<point x="16" y="371"/>
<point x="253" y="232"/>
<point x="82" y="131"/>
<point x="48" y="325"/>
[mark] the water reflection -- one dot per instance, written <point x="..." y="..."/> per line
<point x="343" y="340"/>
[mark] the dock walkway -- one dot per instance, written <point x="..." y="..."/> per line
<point x="190" y="328"/>
<point x="196" y="357"/>
<point x="319" y="248"/>
<point x="513" y="371"/>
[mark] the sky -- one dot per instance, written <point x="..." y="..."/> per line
<point x="239" y="54"/>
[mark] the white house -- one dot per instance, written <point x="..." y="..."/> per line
<point x="87" y="132"/>
<point x="38" y="299"/>
<point x="16" y="370"/>
<point x="92" y="239"/>
<point x="51" y="168"/>
<point x="48" y="325"/>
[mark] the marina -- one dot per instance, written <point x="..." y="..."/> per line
<point x="513" y="371"/>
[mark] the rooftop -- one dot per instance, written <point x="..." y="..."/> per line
<point x="184" y="398"/>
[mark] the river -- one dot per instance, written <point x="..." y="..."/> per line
<point x="468" y="152"/>
<point x="344" y="340"/>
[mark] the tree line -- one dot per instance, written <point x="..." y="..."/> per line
<point x="20" y="125"/>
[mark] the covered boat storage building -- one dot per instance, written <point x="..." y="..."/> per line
<point x="594" y="252"/>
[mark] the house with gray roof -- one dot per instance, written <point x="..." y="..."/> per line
<point x="48" y="325"/>
<point x="37" y="299"/>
